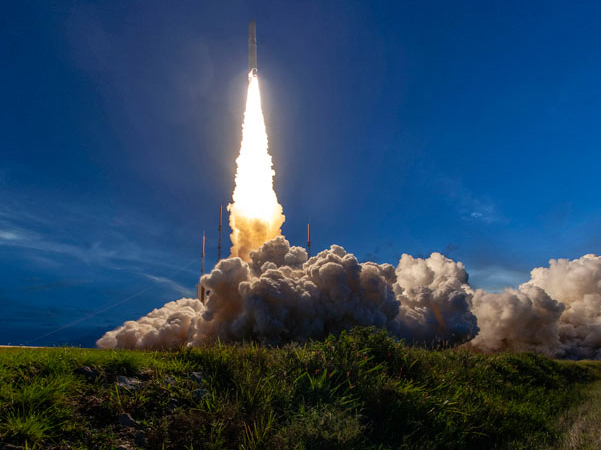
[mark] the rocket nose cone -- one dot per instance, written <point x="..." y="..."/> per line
<point x="252" y="27"/>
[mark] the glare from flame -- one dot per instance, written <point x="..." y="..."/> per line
<point x="255" y="214"/>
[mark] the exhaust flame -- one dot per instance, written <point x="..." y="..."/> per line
<point x="255" y="214"/>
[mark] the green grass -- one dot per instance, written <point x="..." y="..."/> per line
<point x="581" y="424"/>
<point x="361" y="390"/>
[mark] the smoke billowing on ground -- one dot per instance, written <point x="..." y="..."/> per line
<point x="280" y="295"/>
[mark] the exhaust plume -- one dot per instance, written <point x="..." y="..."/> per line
<point x="281" y="296"/>
<point x="255" y="214"/>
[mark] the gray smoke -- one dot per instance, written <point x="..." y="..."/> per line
<point x="280" y="296"/>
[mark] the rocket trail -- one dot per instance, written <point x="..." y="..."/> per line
<point x="255" y="214"/>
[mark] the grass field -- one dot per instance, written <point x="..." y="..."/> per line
<point x="361" y="390"/>
<point x="581" y="424"/>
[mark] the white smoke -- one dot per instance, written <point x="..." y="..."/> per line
<point x="557" y="312"/>
<point x="520" y="320"/>
<point x="163" y="327"/>
<point x="281" y="296"/>
<point x="577" y="285"/>
<point x="434" y="300"/>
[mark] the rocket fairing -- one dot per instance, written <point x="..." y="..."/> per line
<point x="252" y="47"/>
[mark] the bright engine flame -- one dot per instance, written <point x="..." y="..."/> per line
<point x="255" y="214"/>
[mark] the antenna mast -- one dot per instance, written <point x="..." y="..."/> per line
<point x="219" y="238"/>
<point x="309" y="239"/>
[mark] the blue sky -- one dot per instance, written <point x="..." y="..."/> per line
<point x="466" y="127"/>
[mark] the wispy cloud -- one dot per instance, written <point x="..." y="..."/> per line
<point x="38" y="285"/>
<point x="27" y="239"/>
<point x="10" y="235"/>
<point x="470" y="206"/>
<point x="181" y="290"/>
<point x="77" y="237"/>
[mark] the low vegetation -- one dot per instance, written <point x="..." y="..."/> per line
<point x="360" y="390"/>
<point x="581" y="425"/>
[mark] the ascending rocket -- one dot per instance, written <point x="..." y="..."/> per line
<point x="252" y="48"/>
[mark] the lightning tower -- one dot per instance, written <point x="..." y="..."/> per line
<point x="200" y="290"/>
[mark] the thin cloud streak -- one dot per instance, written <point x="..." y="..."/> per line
<point x="469" y="205"/>
<point x="181" y="290"/>
<point x="21" y="229"/>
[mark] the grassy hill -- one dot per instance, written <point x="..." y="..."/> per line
<point x="361" y="390"/>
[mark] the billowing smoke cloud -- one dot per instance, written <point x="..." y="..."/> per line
<point x="520" y="320"/>
<point x="557" y="312"/>
<point x="577" y="285"/>
<point x="434" y="298"/>
<point x="163" y="327"/>
<point x="280" y="296"/>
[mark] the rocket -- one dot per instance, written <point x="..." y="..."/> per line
<point x="252" y="47"/>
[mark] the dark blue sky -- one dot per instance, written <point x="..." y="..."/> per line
<point x="465" y="127"/>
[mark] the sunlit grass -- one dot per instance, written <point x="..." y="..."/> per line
<point x="360" y="390"/>
<point x="31" y="427"/>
